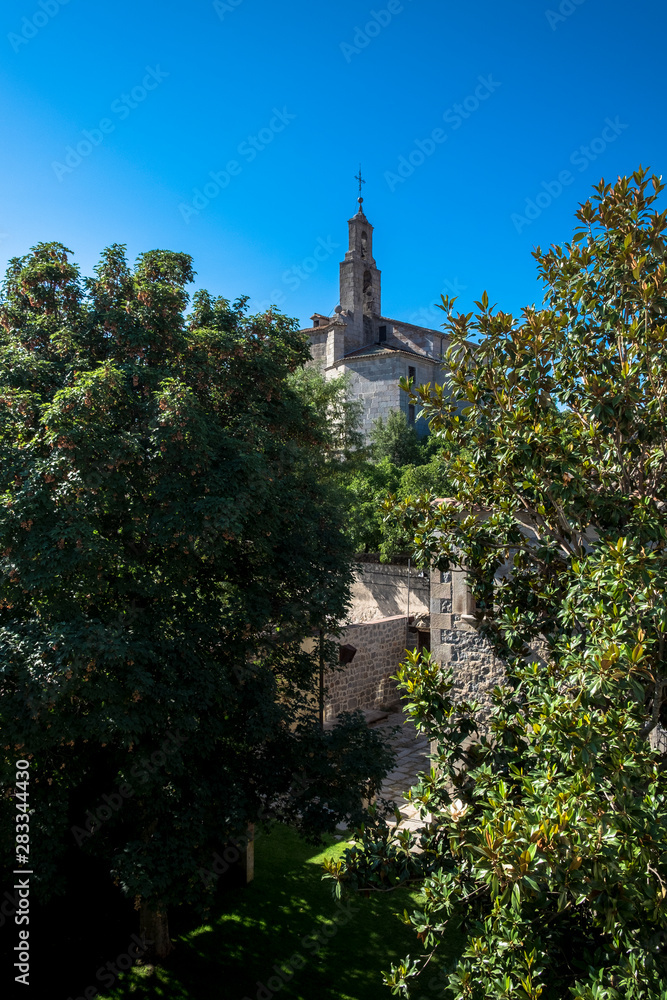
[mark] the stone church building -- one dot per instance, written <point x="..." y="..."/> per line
<point x="393" y="608"/>
<point x="375" y="350"/>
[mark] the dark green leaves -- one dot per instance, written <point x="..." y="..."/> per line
<point x="546" y="827"/>
<point x="167" y="550"/>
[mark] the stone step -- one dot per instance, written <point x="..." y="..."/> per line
<point x="374" y="716"/>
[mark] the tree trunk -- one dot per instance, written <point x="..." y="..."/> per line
<point x="154" y="931"/>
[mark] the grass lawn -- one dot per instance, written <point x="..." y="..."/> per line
<point x="266" y="923"/>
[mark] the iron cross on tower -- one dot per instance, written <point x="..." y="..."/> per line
<point x="359" y="178"/>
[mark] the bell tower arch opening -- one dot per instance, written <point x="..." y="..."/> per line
<point x="360" y="281"/>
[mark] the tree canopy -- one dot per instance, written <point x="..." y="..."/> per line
<point x="336" y="413"/>
<point x="363" y="477"/>
<point x="395" y="440"/>
<point x="545" y="836"/>
<point x="166" y="551"/>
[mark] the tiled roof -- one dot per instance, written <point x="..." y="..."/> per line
<point x="414" y="326"/>
<point x="372" y="349"/>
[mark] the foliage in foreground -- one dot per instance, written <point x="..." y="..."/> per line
<point x="395" y="440"/>
<point x="167" y="547"/>
<point x="286" y="915"/>
<point x="397" y="463"/>
<point x="545" y="843"/>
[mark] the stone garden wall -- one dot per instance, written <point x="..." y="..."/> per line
<point x="380" y="590"/>
<point x="456" y="642"/>
<point x="365" y="683"/>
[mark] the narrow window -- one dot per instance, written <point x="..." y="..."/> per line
<point x="412" y="374"/>
<point x="382" y="334"/>
<point x="411" y="413"/>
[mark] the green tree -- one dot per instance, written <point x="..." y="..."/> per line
<point x="363" y="485"/>
<point x="411" y="481"/>
<point x="395" y="440"/>
<point x="337" y="413"/>
<point x="166" y="550"/>
<point x="401" y="466"/>
<point x="366" y="490"/>
<point x="545" y="844"/>
<point x="363" y="495"/>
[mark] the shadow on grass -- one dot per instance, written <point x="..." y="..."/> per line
<point x="279" y="936"/>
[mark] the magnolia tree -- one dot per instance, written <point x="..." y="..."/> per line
<point x="543" y="851"/>
<point x="167" y="551"/>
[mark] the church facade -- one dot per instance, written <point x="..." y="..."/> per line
<point x="375" y="350"/>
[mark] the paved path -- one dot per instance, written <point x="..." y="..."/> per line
<point x="412" y="751"/>
<point x="412" y="756"/>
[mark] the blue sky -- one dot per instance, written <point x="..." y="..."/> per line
<point x="280" y="103"/>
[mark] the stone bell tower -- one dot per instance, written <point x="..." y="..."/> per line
<point x="360" y="283"/>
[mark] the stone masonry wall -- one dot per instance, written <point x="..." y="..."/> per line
<point x="420" y="338"/>
<point x="375" y="382"/>
<point x="365" y="683"/>
<point x="381" y="589"/>
<point x="424" y="373"/>
<point x="318" y="349"/>
<point x="457" y="643"/>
